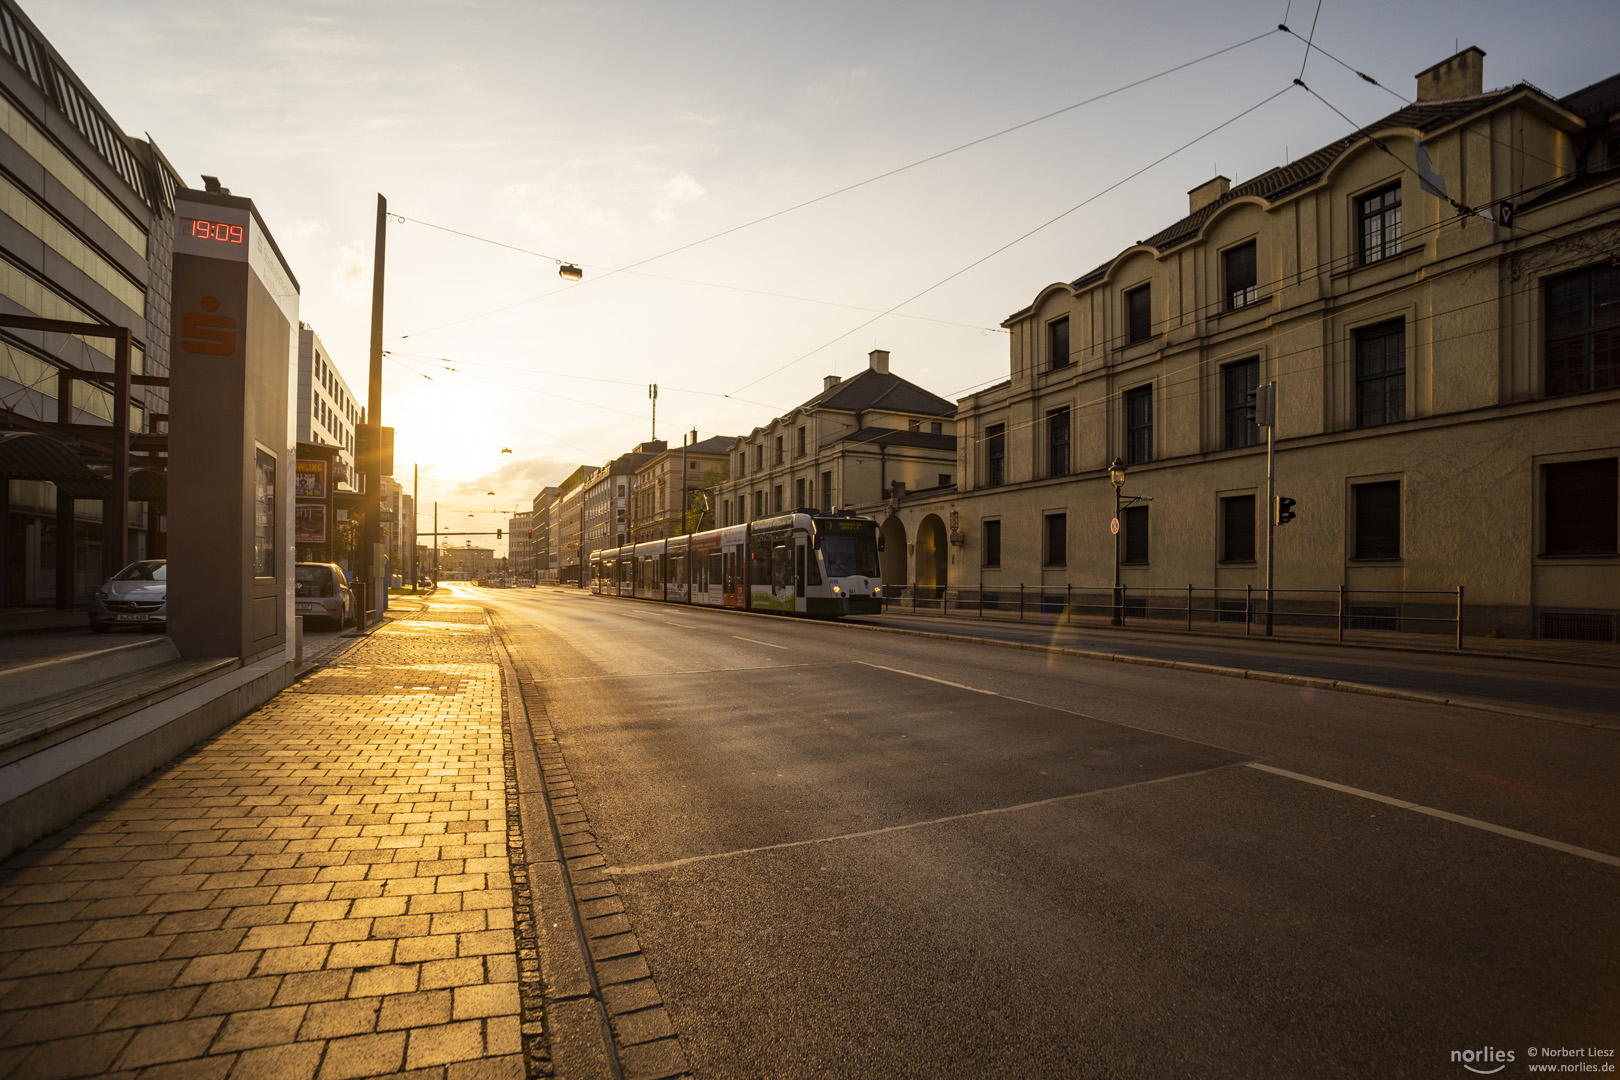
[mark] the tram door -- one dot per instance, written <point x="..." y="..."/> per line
<point x="798" y="573"/>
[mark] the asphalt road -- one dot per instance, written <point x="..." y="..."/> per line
<point x="850" y="853"/>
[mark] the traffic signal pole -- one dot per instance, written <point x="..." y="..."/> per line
<point x="1270" y="391"/>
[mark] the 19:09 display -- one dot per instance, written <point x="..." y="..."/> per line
<point x="216" y="230"/>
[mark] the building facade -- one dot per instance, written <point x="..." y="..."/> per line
<point x="542" y="568"/>
<point x="327" y="410"/>
<point x="86" y="235"/>
<point x="666" y="484"/>
<point x="1446" y="372"/>
<point x="855" y="446"/>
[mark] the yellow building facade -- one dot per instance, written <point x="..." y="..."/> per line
<point x="1446" y="371"/>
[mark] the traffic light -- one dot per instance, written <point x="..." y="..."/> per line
<point x="1285" y="510"/>
<point x="498" y="533"/>
<point x="1258" y="410"/>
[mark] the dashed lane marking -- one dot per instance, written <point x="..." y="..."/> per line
<point x="756" y="641"/>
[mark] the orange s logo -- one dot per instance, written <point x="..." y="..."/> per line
<point x="211" y="335"/>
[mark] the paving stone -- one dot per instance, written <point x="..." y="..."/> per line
<point x="509" y="1067"/>
<point x="335" y="1019"/>
<point x="363" y="1055"/>
<point x="492" y="999"/>
<point x="297" y="1061"/>
<point x="237" y="996"/>
<point x="654" y="1059"/>
<point x="168" y="1042"/>
<point x="444" y="1044"/>
<point x="159" y="1006"/>
<point x="56" y="1021"/>
<point x="394" y="979"/>
<point x="420" y="1009"/>
<point x="85" y="1055"/>
<point x="304" y="987"/>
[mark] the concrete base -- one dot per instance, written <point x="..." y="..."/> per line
<point x="48" y="790"/>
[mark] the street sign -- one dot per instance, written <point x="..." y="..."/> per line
<point x="1113" y="526"/>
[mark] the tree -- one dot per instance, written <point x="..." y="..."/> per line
<point x="700" y="500"/>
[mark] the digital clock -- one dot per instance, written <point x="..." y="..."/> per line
<point x="217" y="230"/>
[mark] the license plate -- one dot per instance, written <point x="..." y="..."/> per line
<point x="308" y="608"/>
<point x="133" y="618"/>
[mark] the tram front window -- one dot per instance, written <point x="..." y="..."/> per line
<point x="850" y="556"/>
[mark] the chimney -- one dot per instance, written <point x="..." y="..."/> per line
<point x="1206" y="193"/>
<point x="829" y="382"/>
<point x="878" y="361"/>
<point x="1462" y="75"/>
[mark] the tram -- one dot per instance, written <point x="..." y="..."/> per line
<point x="802" y="563"/>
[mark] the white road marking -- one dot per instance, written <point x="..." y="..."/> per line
<point x="1444" y="815"/>
<point x="930" y="678"/>
<point x="755" y="641"/>
<point x="648" y="868"/>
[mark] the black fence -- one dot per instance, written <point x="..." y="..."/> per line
<point x="1343" y="612"/>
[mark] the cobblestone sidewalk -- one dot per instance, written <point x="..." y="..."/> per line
<point x="321" y="891"/>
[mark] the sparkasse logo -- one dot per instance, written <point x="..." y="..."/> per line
<point x="1488" y="1055"/>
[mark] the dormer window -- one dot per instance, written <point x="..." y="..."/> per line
<point x="1057" y="343"/>
<point x="1139" y="313"/>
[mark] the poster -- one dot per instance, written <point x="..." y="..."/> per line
<point x="309" y="523"/>
<point x="310" y="479"/>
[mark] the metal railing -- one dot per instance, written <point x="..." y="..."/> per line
<point x="1343" y="611"/>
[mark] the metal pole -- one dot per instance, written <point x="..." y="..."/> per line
<point x="1118" y="617"/>
<point x="372" y="466"/>
<point x="1341" y="614"/>
<point x="1271" y="493"/>
<point x="435" y="543"/>
<point x="1020" y="602"/>
<point x="1459" y="615"/>
<point x="1248" y="608"/>
<point x="416" y="563"/>
<point x="1189" y="606"/>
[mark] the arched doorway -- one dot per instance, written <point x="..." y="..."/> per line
<point x="894" y="552"/>
<point x="932" y="554"/>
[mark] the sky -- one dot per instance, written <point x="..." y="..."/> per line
<point x="646" y="141"/>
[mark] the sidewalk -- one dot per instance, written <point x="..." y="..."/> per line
<point x="322" y="890"/>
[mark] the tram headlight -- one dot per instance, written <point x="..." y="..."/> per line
<point x="838" y="590"/>
<point x="877" y="590"/>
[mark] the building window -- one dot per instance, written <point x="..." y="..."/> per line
<point x="1378" y="520"/>
<point x="1057" y="540"/>
<point x="992" y="543"/>
<point x="742" y="464"/>
<point x="936" y="428"/>
<point x="1242" y="288"/>
<point x="1057" y="342"/>
<point x="1139" y="313"/>
<point x="778" y="459"/>
<point x="1139" y="425"/>
<point x="759" y="504"/>
<point x="759" y="457"/>
<point x="1135" y="524"/>
<point x="1057" y="442"/>
<point x="1237" y="528"/>
<point x="801" y="441"/>
<point x="1381" y="374"/>
<point x="1239" y="379"/>
<point x="1581" y="500"/>
<point x="776" y="499"/>
<point x="1583" y="331"/>
<point x="826" y="493"/>
<point x="944" y="479"/>
<point x="1379" y="219"/>
<point x="264" y="514"/>
<point x="913" y="425"/>
<point x="798" y="494"/>
<point x="995" y="455"/>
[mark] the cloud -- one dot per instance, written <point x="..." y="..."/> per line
<point x="352" y="275"/>
<point x="840" y="87"/>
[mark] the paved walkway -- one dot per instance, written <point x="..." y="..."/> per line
<point x="321" y="891"/>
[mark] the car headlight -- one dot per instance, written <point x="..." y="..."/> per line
<point x="101" y="594"/>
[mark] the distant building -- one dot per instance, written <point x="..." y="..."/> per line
<point x="541" y="557"/>
<point x="668" y="481"/>
<point x="327" y="411"/>
<point x="857" y="445"/>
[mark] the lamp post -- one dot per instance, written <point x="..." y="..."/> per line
<point x="1116" y="476"/>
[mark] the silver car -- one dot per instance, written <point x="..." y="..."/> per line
<point x="321" y="591"/>
<point x="135" y="596"/>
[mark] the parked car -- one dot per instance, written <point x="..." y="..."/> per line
<point x="320" y="590"/>
<point x="135" y="596"/>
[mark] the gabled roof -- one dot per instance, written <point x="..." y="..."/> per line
<point x="718" y="444"/>
<point x="880" y="390"/>
<point x="1423" y="116"/>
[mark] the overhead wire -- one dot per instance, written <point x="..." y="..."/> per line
<point x="858" y="184"/>
<point x="1044" y="225"/>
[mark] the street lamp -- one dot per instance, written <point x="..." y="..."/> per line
<point x="1116" y="476"/>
